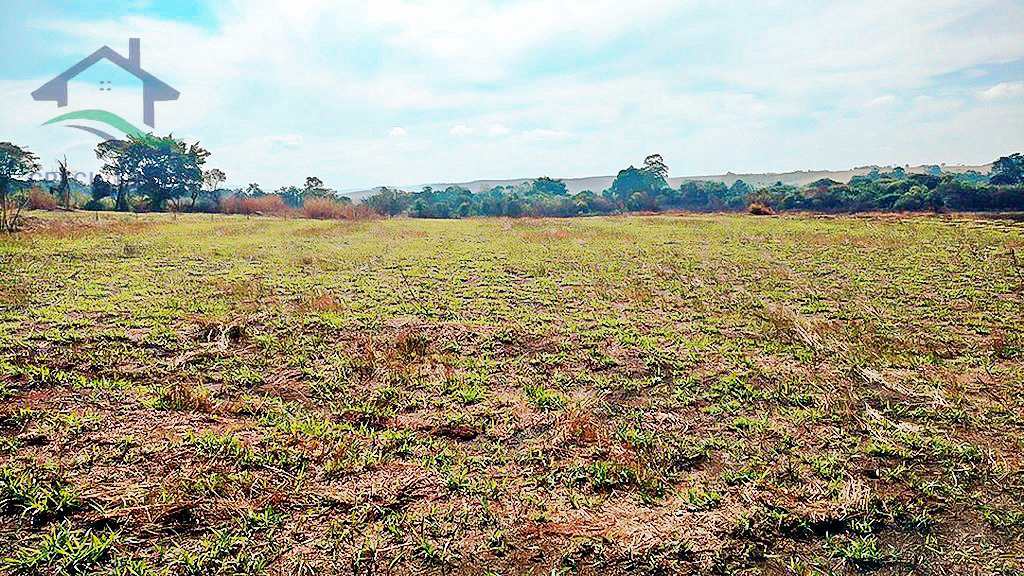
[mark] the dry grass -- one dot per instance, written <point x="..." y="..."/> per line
<point x="270" y="205"/>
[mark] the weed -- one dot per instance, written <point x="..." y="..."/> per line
<point x="63" y="550"/>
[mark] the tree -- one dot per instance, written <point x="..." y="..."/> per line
<point x="633" y="180"/>
<point x="655" y="165"/>
<point x="545" y="185"/>
<point x="315" y="189"/>
<point x="212" y="179"/>
<point x="253" y="190"/>
<point x="291" y="195"/>
<point x="64" y="188"/>
<point x="160" y="168"/>
<point x="313" y="183"/>
<point x="388" y="201"/>
<point x="1008" y="170"/>
<point x="15" y="163"/>
<point x="165" y="169"/>
<point x="116" y="164"/>
<point x="100" y="188"/>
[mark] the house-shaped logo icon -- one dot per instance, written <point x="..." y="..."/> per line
<point x="153" y="89"/>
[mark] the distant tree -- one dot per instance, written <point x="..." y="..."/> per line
<point x="64" y="186"/>
<point x="15" y="163"/>
<point x="390" y="202"/>
<point x="291" y="195"/>
<point x="655" y="164"/>
<point x="253" y="190"/>
<point x="313" y="183"/>
<point x="212" y="179"/>
<point x="1008" y="170"/>
<point x="632" y="180"/>
<point x="545" y="185"/>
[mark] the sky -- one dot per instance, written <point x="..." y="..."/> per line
<point x="400" y="92"/>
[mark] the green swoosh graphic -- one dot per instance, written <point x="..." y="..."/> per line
<point x="108" y="118"/>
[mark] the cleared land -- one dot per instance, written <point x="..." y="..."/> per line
<point x="641" y="395"/>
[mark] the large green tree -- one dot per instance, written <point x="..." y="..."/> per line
<point x="163" y="169"/>
<point x="1008" y="170"/>
<point x="16" y="163"/>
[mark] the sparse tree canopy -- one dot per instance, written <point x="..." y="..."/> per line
<point x="314" y="183"/>
<point x="16" y="163"/>
<point x="64" y="187"/>
<point x="655" y="164"/>
<point x="212" y="179"/>
<point x="253" y="190"/>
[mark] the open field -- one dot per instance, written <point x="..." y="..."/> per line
<point x="628" y="395"/>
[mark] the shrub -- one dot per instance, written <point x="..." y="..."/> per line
<point x="329" y="209"/>
<point x="758" y="209"/>
<point x="39" y="200"/>
<point x="259" y="205"/>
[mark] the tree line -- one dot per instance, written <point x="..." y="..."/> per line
<point x="154" y="173"/>
<point x="646" y="189"/>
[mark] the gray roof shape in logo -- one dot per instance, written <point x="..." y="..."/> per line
<point x="153" y="89"/>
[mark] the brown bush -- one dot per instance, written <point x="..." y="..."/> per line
<point x="759" y="209"/>
<point x="39" y="200"/>
<point x="328" y="209"/>
<point x="260" y="205"/>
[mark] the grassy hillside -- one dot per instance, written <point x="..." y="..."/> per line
<point x="629" y="395"/>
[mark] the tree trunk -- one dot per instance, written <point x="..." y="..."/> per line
<point x="122" y="202"/>
<point x="3" y="205"/>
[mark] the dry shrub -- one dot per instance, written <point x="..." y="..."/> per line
<point x="39" y="200"/>
<point x="328" y="209"/>
<point x="261" y="205"/>
<point x="759" y="209"/>
<point x="186" y="397"/>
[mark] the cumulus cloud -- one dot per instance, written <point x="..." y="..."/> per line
<point x="398" y="132"/>
<point x="1003" y="90"/>
<point x="881" y="101"/>
<point x="460" y="130"/>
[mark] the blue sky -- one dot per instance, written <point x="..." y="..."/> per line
<point x="403" y="92"/>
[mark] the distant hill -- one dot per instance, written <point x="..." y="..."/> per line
<point x="599" y="183"/>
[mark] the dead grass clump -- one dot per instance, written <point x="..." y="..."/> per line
<point x="411" y="344"/>
<point x="39" y="200"/>
<point x="759" y="209"/>
<point x="321" y="303"/>
<point x="578" y="426"/>
<point x="187" y="397"/>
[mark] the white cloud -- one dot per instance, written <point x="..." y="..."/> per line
<point x="1003" y="90"/>
<point x="546" y="134"/>
<point x="286" y="140"/>
<point x="497" y="130"/>
<point x="398" y="132"/>
<point x="881" y="101"/>
<point x="460" y="130"/>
